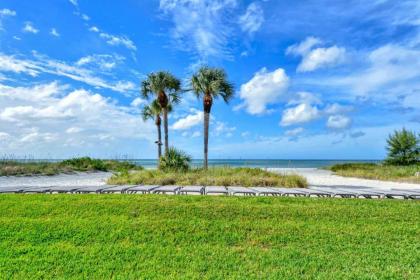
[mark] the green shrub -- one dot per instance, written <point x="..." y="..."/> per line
<point x="216" y="176"/>
<point x="403" y="148"/>
<point x="174" y="160"/>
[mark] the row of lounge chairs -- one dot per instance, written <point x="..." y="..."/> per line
<point x="218" y="190"/>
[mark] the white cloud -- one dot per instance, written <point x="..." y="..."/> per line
<point x="335" y="108"/>
<point x="253" y="18"/>
<point x="189" y="121"/>
<point x="115" y="40"/>
<point x="263" y="89"/>
<point x="74" y="2"/>
<point x="200" y="26"/>
<point x="50" y="113"/>
<point x="315" y="58"/>
<point x="54" y="32"/>
<point x="43" y="64"/>
<point x="29" y="28"/>
<point x="338" y="122"/>
<point x="85" y="17"/>
<point x="294" y="132"/>
<point x="137" y="102"/>
<point x="221" y="128"/>
<point x="300" y="114"/>
<point x="103" y="61"/>
<point x="320" y="58"/>
<point x="7" y="12"/>
<point x="305" y="97"/>
<point x="73" y="129"/>
<point x="303" y="47"/>
<point x="94" y="29"/>
<point x="388" y="66"/>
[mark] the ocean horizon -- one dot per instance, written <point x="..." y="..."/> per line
<point x="261" y="163"/>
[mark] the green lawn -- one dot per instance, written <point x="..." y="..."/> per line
<point x="202" y="237"/>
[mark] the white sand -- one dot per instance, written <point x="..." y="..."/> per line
<point x="315" y="177"/>
<point x="79" y="179"/>
<point x="325" y="178"/>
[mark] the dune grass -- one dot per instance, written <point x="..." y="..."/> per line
<point x="378" y="171"/>
<point x="28" y="168"/>
<point x="217" y="176"/>
<point x="202" y="237"/>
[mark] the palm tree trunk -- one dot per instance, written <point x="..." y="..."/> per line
<point x="207" y="103"/>
<point x="165" y="126"/>
<point x="206" y="138"/>
<point x="159" y="142"/>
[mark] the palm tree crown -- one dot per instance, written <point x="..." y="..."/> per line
<point x="166" y="88"/>
<point x="210" y="83"/>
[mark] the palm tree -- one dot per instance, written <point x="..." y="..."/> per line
<point x="166" y="88"/>
<point x="154" y="111"/>
<point x="210" y="83"/>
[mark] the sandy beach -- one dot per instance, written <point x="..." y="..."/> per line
<point x="316" y="178"/>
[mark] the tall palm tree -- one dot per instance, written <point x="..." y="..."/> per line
<point x="154" y="111"/>
<point x="166" y="88"/>
<point x="210" y="83"/>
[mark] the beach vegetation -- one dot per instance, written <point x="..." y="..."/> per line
<point x="380" y="171"/>
<point x="175" y="161"/>
<point x="403" y="148"/>
<point x="84" y="164"/>
<point x="214" y="176"/>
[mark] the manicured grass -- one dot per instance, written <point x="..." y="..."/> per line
<point x="217" y="176"/>
<point x="378" y="171"/>
<point x="17" y="168"/>
<point x="204" y="237"/>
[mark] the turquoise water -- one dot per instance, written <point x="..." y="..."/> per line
<point x="262" y="163"/>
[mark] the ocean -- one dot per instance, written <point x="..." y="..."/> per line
<point x="261" y="163"/>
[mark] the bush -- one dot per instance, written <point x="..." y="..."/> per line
<point x="174" y="160"/>
<point x="403" y="148"/>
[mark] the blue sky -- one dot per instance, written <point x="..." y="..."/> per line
<point x="313" y="79"/>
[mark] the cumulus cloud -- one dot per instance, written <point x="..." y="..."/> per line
<point x="200" y="26"/>
<point x="300" y="114"/>
<point x="263" y="89"/>
<point x="29" y="28"/>
<point x="55" y="114"/>
<point x="189" y="121"/>
<point x="320" y="58"/>
<point x="315" y="58"/>
<point x="338" y="122"/>
<point x="253" y="18"/>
